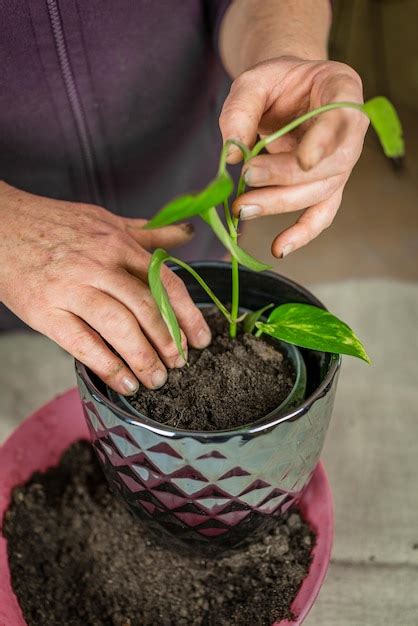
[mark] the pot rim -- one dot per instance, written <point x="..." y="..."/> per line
<point x="264" y="423"/>
<point x="300" y="380"/>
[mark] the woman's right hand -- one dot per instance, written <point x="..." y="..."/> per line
<point x="78" y="274"/>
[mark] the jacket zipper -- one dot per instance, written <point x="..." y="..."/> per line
<point x="74" y="100"/>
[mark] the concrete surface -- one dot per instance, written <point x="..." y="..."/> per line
<point x="33" y="370"/>
<point x="371" y="455"/>
<point x="371" y="452"/>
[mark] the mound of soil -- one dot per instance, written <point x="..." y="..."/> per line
<point x="230" y="383"/>
<point x="78" y="558"/>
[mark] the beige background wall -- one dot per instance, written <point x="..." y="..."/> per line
<point x="380" y="39"/>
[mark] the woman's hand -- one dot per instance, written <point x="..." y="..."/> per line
<point x="307" y="169"/>
<point x="78" y="274"/>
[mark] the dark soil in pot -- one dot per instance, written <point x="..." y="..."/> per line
<point x="77" y="557"/>
<point x="230" y="383"/>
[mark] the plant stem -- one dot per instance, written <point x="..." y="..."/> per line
<point x="235" y="269"/>
<point x="204" y="286"/>
<point x="235" y="288"/>
<point x="229" y="220"/>
<point x="300" y="120"/>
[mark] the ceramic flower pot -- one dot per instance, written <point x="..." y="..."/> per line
<point x="40" y="441"/>
<point x="213" y="489"/>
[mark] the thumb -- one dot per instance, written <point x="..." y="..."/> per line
<point x="329" y="131"/>
<point x="242" y="112"/>
<point x="166" y="237"/>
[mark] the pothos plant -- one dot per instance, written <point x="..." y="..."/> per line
<point x="303" y="325"/>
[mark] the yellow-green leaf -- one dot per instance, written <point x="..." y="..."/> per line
<point x="252" y="318"/>
<point x="160" y="296"/>
<point x="212" y="218"/>
<point x="387" y="125"/>
<point x="311" y="327"/>
<point x="189" y="205"/>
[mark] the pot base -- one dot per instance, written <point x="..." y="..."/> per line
<point x="39" y="443"/>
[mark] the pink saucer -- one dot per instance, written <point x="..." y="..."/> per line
<point x="39" y="443"/>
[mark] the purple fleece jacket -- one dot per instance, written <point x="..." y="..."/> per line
<point x="111" y="102"/>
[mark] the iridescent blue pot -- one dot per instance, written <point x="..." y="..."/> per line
<point x="213" y="489"/>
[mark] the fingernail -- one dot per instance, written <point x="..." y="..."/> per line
<point x="287" y="249"/>
<point x="188" y="228"/>
<point x="180" y="362"/>
<point x="158" y="378"/>
<point x="130" y="384"/>
<point x="203" y="338"/>
<point x="249" y="211"/>
<point x="256" y="176"/>
<point x="231" y="148"/>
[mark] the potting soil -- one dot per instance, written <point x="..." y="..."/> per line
<point x="230" y="383"/>
<point x="78" y="558"/>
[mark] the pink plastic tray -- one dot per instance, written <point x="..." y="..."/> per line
<point x="39" y="443"/>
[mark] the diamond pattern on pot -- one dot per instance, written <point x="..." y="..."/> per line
<point x="204" y="488"/>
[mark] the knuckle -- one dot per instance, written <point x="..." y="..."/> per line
<point x="174" y="284"/>
<point x="327" y="220"/>
<point x="351" y="74"/>
<point x="328" y="186"/>
<point x="339" y="77"/>
<point x="35" y="308"/>
<point x="148" y="307"/>
<point x="80" y="299"/>
<point x="109" y="368"/>
<point x="231" y="112"/>
<point x="246" y="79"/>
<point x="117" y="238"/>
<point x="238" y="82"/>
<point x="306" y="229"/>
<point x="345" y="157"/>
<point x="120" y="323"/>
<point x="194" y="318"/>
<point x="78" y="342"/>
<point x="285" y="173"/>
<point x="147" y="361"/>
<point x="169" y="350"/>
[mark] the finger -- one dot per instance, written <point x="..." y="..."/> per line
<point x="309" y="225"/>
<point x="188" y="315"/>
<point x="116" y="324"/>
<point x="329" y="130"/>
<point x="137" y="298"/>
<point x="241" y="113"/>
<point x="167" y="237"/>
<point x="284" y="168"/>
<point x="77" y="338"/>
<point x="274" y="200"/>
<point x="287" y="143"/>
<point x="328" y="133"/>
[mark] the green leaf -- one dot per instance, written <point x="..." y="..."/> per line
<point x="189" y="205"/>
<point x="387" y="125"/>
<point x="253" y="317"/>
<point x="309" y="326"/>
<point x="161" y="298"/>
<point x="212" y="218"/>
